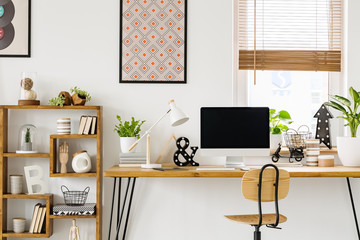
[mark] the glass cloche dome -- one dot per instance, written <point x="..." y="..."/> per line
<point x="27" y="139"/>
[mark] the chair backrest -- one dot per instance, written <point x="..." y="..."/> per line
<point x="250" y="183"/>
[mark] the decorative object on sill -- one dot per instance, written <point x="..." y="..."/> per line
<point x="348" y="147"/>
<point x="67" y="98"/>
<point x="63" y="126"/>
<point x="79" y="97"/>
<point x="312" y="151"/>
<point x="16" y="184"/>
<point x="66" y="210"/>
<point x="165" y="148"/>
<point x="74" y="198"/>
<point x="27" y="139"/>
<point x="153" y="41"/>
<point x="63" y="156"/>
<point x="278" y="121"/>
<point x="34" y="182"/>
<point x="129" y="133"/>
<point x="189" y="158"/>
<point x="296" y="153"/>
<point x="19" y="225"/>
<point x="28" y="95"/>
<point x="323" y="125"/>
<point x="81" y="162"/>
<point x="15" y="28"/>
<point x="326" y="161"/>
<point x="74" y="233"/>
<point x="177" y="117"/>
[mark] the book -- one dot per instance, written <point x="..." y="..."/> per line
<point x="34" y="216"/>
<point x="87" y="125"/>
<point x="37" y="221"/>
<point x="82" y="124"/>
<point x="93" y="125"/>
<point x="42" y="218"/>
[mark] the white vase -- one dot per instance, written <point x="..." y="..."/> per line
<point x="126" y="143"/>
<point x="275" y="139"/>
<point x="81" y="162"/>
<point x="348" y="151"/>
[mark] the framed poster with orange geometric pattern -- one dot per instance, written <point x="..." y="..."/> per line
<point x="153" y="41"/>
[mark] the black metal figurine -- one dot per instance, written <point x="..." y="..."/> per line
<point x="297" y="153"/>
<point x="323" y="125"/>
<point x="189" y="158"/>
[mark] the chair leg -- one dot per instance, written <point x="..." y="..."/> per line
<point x="257" y="233"/>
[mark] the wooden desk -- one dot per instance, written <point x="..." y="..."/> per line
<point x="189" y="172"/>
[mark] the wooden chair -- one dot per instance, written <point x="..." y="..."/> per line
<point x="268" y="184"/>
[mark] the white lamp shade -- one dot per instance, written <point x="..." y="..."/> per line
<point x="177" y="117"/>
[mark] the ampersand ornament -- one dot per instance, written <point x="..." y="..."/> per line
<point x="189" y="158"/>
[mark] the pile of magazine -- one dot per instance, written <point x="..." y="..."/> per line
<point x="132" y="159"/>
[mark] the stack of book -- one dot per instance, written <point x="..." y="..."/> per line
<point x="132" y="159"/>
<point x="87" y="125"/>
<point x="38" y="218"/>
<point x="62" y="209"/>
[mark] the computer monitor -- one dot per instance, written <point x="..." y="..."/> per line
<point x="234" y="132"/>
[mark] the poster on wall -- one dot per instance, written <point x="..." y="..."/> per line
<point x="153" y="41"/>
<point x="15" y="28"/>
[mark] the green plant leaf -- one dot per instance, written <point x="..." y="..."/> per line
<point x="284" y="115"/>
<point x="341" y="100"/>
<point x="354" y="94"/>
<point x="336" y="106"/>
<point x="276" y="130"/>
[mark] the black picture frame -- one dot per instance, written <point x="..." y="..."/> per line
<point x="27" y="23"/>
<point x="121" y="80"/>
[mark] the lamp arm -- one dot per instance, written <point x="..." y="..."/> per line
<point x="148" y="131"/>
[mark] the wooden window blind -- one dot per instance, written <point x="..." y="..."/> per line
<point x="298" y="35"/>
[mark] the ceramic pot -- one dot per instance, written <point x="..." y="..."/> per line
<point x="67" y="97"/>
<point x="348" y="151"/>
<point x="16" y="184"/>
<point x="26" y="146"/>
<point x="81" y="162"/>
<point x="275" y="139"/>
<point x="78" y="101"/>
<point x="126" y="143"/>
<point x="19" y="225"/>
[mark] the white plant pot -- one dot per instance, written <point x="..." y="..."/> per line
<point x="126" y="143"/>
<point x="348" y="151"/>
<point x="275" y="139"/>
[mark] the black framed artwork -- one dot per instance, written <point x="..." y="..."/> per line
<point x="153" y="41"/>
<point x="15" y="22"/>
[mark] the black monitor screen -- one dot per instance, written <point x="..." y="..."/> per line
<point x="234" y="127"/>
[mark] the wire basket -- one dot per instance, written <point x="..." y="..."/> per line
<point x="296" y="139"/>
<point x="75" y="198"/>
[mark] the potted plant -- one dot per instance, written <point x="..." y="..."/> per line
<point x="278" y="121"/>
<point x="27" y="145"/>
<point x="348" y="147"/>
<point x="79" y="97"/>
<point x="128" y="132"/>
<point x="57" y="101"/>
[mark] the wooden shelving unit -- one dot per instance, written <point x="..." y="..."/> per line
<point x="4" y="155"/>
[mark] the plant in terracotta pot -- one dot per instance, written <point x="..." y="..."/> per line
<point x="278" y="121"/>
<point x="79" y="97"/>
<point x="348" y="146"/>
<point x="128" y="132"/>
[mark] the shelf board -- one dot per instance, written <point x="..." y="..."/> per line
<point x="49" y="107"/>
<point x="26" y="155"/>
<point x="90" y="174"/>
<point x="11" y="234"/>
<point x="72" y="136"/>
<point x="26" y="196"/>
<point x="72" y="216"/>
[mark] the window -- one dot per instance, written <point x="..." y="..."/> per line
<point x="297" y="44"/>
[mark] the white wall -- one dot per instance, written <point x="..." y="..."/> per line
<point x="77" y="43"/>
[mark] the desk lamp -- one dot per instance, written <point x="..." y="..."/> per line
<point x="177" y="117"/>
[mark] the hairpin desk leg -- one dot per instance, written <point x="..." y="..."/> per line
<point x="112" y="207"/>
<point x="353" y="207"/>
<point x="129" y="208"/>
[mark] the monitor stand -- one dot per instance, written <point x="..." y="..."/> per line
<point x="236" y="162"/>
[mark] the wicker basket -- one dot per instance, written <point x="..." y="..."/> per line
<point x="75" y="198"/>
<point x="296" y="139"/>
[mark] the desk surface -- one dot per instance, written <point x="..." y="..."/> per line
<point x="338" y="171"/>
